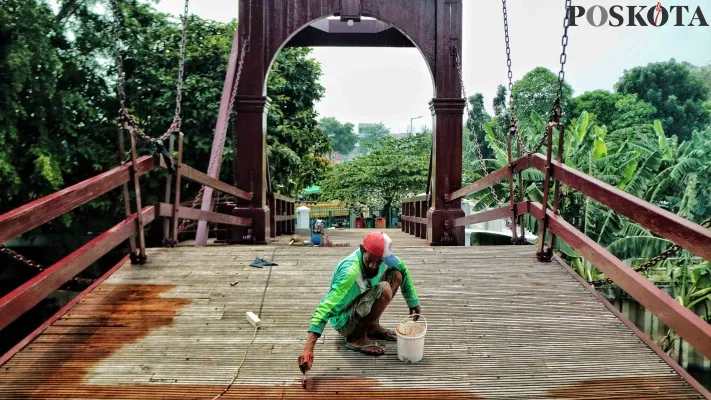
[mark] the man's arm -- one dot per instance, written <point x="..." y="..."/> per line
<point x="323" y="311"/>
<point x="407" y="287"/>
<point x="306" y="359"/>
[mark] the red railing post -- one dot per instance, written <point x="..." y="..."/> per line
<point x="556" y="183"/>
<point x="512" y="194"/>
<point x="139" y="258"/>
<point x="418" y="214"/>
<point x="424" y="206"/>
<point x="168" y="185"/>
<point x="544" y="254"/>
<point x="176" y="204"/>
<point x="124" y="188"/>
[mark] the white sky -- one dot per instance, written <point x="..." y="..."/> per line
<point x="393" y="85"/>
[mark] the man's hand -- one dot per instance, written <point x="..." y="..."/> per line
<point x="306" y="360"/>
<point x="416" y="310"/>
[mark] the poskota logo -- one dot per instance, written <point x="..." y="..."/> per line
<point x="657" y="15"/>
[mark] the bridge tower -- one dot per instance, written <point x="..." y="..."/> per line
<point x="432" y="26"/>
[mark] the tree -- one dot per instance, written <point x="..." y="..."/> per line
<point x="296" y="143"/>
<point x="535" y="93"/>
<point x="370" y="133"/>
<point x="341" y="136"/>
<point x="393" y="170"/>
<point x="477" y="120"/>
<point x="54" y="132"/>
<point x="674" y="91"/>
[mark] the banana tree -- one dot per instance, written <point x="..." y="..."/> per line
<point x="692" y="289"/>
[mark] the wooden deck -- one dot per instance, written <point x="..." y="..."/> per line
<point x="501" y="326"/>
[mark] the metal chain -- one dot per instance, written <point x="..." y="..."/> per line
<point x="76" y="284"/>
<point x="20" y="258"/>
<point x="513" y="126"/>
<point x="470" y="124"/>
<point x="125" y="117"/>
<point x="655" y="260"/>
<point x="181" y="66"/>
<point x="557" y="106"/>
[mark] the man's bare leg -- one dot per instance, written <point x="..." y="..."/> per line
<point x="394" y="286"/>
<point x="359" y="336"/>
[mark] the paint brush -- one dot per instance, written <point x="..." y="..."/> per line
<point x="307" y="383"/>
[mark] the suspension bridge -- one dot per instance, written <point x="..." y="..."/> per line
<point x="506" y="322"/>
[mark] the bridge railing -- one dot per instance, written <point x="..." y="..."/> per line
<point x="414" y="216"/>
<point x="30" y="216"/>
<point x="283" y="215"/>
<point x="685" y="233"/>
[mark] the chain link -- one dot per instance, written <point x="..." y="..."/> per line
<point x="127" y="120"/>
<point x="655" y="260"/>
<point x="557" y="106"/>
<point x="513" y="125"/>
<point x="470" y="123"/>
<point x="76" y="284"/>
<point x="20" y="258"/>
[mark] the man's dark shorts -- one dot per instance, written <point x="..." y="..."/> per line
<point x="361" y="306"/>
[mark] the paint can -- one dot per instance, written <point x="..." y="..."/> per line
<point x="411" y="339"/>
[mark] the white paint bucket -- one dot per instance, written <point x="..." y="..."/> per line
<point x="411" y="339"/>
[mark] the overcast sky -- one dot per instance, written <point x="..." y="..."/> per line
<point x="393" y="85"/>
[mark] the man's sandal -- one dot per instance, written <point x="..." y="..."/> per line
<point x="386" y="334"/>
<point x="364" y="349"/>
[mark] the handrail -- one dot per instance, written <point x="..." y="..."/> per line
<point x="493" y="178"/>
<point x="39" y="287"/>
<point x="166" y="210"/>
<point x="687" y="234"/>
<point x="679" y="318"/>
<point x="283" y="214"/>
<point x="683" y="232"/>
<point x="204" y="179"/>
<point x="412" y="199"/>
<point x="25" y="218"/>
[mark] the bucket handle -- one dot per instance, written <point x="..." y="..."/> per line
<point x="411" y="316"/>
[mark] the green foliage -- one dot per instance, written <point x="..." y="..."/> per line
<point x="674" y="91"/>
<point x="392" y="170"/>
<point x="341" y="136"/>
<point x="61" y="127"/>
<point x="371" y="133"/>
<point x="296" y="143"/>
<point x="535" y="93"/>
<point x="54" y="130"/>
<point x="477" y="119"/>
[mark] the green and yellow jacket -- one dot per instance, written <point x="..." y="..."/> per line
<point x="347" y="283"/>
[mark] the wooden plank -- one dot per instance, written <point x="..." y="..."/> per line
<point x="690" y="236"/>
<point x="484" y="216"/>
<point x="202" y="178"/>
<point x="679" y="318"/>
<point x="39" y="287"/>
<point x="40" y="211"/>
<point x="281" y="197"/>
<point x="417" y="220"/>
<point x="483" y="183"/>
<point x="166" y="210"/>
<point x="280" y="218"/>
<point x="421" y="197"/>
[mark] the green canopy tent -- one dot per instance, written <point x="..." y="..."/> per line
<point x="313" y="189"/>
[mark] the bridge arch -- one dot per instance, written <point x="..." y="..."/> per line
<point x="432" y="26"/>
